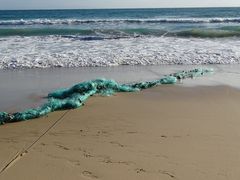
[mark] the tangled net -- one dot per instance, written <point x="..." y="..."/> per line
<point x="77" y="95"/>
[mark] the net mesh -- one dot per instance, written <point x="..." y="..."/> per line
<point x="77" y="95"/>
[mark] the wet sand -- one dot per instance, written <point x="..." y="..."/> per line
<point x="22" y="89"/>
<point x="168" y="132"/>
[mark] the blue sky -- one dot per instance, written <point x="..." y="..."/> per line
<point x="79" y="4"/>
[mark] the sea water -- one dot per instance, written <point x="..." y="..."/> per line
<point x="113" y="37"/>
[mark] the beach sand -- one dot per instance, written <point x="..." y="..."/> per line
<point x="168" y="132"/>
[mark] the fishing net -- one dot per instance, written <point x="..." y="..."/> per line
<point x="77" y="95"/>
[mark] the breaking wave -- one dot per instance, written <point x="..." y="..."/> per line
<point x="56" y="51"/>
<point x="98" y="34"/>
<point x="88" y="21"/>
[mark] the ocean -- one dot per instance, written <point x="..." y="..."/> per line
<point x="114" y="37"/>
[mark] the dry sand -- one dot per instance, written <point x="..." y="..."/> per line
<point x="163" y="133"/>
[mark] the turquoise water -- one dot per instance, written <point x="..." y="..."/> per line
<point x="113" y="23"/>
<point x="114" y="37"/>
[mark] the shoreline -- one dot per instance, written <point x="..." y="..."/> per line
<point x="167" y="132"/>
<point x="24" y="89"/>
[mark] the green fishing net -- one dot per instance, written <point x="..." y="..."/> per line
<point x="75" y="96"/>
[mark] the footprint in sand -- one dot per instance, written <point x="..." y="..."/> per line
<point x="140" y="170"/>
<point x="62" y="147"/>
<point x="110" y="161"/>
<point x="117" y="143"/>
<point x="170" y="174"/>
<point x="87" y="155"/>
<point x="89" y="174"/>
<point x="132" y="132"/>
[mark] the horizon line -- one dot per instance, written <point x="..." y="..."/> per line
<point x="188" y="7"/>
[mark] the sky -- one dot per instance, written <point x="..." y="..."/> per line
<point x="89" y="4"/>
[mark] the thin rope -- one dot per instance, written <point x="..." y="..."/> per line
<point x="24" y="151"/>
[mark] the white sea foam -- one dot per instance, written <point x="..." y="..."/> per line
<point x="147" y="20"/>
<point x="52" y="51"/>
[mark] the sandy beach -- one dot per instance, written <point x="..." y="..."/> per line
<point x="58" y="58"/>
<point x="168" y="132"/>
